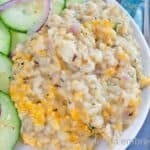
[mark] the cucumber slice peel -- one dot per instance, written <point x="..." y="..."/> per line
<point x="9" y="123"/>
<point x="17" y="37"/>
<point x="58" y="6"/>
<point x="5" y="72"/>
<point x="5" y="39"/>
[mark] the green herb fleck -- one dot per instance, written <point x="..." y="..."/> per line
<point x="11" y="78"/>
<point x="91" y="128"/>
<point x="116" y="26"/>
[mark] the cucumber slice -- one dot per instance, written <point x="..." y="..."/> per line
<point x="17" y="37"/>
<point x="74" y="1"/>
<point x="9" y="123"/>
<point x="58" y="6"/>
<point x="5" y="39"/>
<point x="23" y="16"/>
<point x="5" y="73"/>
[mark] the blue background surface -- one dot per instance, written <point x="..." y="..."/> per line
<point x="136" y="10"/>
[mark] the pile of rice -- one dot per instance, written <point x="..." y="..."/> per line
<point x="78" y="80"/>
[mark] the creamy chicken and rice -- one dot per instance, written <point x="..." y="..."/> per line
<point x="78" y="80"/>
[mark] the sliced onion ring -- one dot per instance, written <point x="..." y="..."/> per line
<point x="45" y="15"/>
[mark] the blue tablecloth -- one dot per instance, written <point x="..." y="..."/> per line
<point x="136" y="10"/>
<point x="143" y="136"/>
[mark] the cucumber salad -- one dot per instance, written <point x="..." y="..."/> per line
<point x="18" y="20"/>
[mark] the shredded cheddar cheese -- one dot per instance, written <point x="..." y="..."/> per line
<point x="29" y="140"/>
<point x="75" y="114"/>
<point x="144" y="81"/>
<point x="111" y="71"/>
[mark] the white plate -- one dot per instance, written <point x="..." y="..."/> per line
<point x="131" y="132"/>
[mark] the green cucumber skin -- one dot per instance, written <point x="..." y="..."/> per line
<point x="5" y="100"/>
<point x="8" y="50"/>
<point x="66" y="3"/>
<point x="11" y="28"/>
<point x="17" y="37"/>
<point x="5" y="67"/>
<point x="58" y="6"/>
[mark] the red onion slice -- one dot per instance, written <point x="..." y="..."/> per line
<point x="46" y="12"/>
<point x="75" y="28"/>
